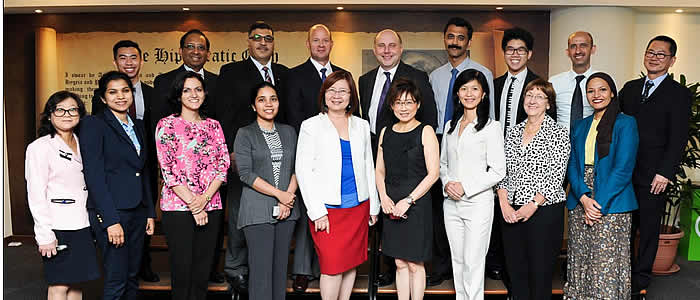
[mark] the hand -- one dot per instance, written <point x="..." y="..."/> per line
<point x="454" y="190"/>
<point x="591" y="207"/>
<point x="49" y="249"/>
<point x="509" y="214"/>
<point x="201" y="219"/>
<point x="526" y="211"/>
<point x="401" y="208"/>
<point x="115" y="233"/>
<point x="284" y="212"/>
<point x="197" y="203"/>
<point x="588" y="221"/>
<point x="658" y="185"/>
<point x="150" y="226"/>
<point x="387" y="205"/>
<point x="322" y="224"/>
<point x="372" y="220"/>
<point x="286" y="199"/>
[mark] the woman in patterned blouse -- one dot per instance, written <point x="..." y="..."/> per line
<point x="265" y="152"/>
<point x="193" y="160"/>
<point x="532" y="196"/>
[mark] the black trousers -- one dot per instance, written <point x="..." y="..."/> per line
<point x="268" y="258"/>
<point x="442" y="259"/>
<point x="305" y="258"/>
<point x="191" y="250"/>
<point x="648" y="221"/>
<point x="495" y="260"/>
<point x="531" y="250"/>
<point x="236" y="259"/>
<point x="121" y="265"/>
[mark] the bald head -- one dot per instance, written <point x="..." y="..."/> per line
<point x="388" y="48"/>
<point x="581" y="34"/>
<point x="386" y="32"/>
<point x="580" y="48"/>
<point x="320" y="43"/>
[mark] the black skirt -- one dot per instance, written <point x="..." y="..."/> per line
<point x="77" y="263"/>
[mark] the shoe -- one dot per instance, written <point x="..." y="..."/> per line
<point x="216" y="277"/>
<point x="147" y="274"/>
<point x="384" y="279"/>
<point x="494" y="274"/>
<point x="239" y="283"/>
<point x="301" y="282"/>
<point x="433" y="280"/>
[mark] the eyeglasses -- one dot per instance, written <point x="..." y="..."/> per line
<point x="520" y="51"/>
<point x="659" y="55"/>
<point x="536" y="97"/>
<point x="60" y="112"/>
<point x="404" y="103"/>
<point x="341" y="92"/>
<point x="199" y="47"/>
<point x="258" y="37"/>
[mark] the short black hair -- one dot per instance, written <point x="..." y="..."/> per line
<point x="663" y="38"/>
<point x="193" y="31"/>
<point x="45" y="126"/>
<point x="175" y="96"/>
<point x="517" y="33"/>
<point x="111" y="76"/>
<point x="460" y="22"/>
<point x="260" y="25"/>
<point x="125" y="44"/>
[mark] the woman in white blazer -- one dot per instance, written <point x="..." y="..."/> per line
<point x="57" y="198"/>
<point x="472" y="162"/>
<point x="335" y="171"/>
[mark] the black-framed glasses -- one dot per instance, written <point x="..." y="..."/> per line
<point x="659" y="55"/>
<point x="520" y="51"/>
<point x="199" y="47"/>
<point x="60" y="112"/>
<point x="259" y="37"/>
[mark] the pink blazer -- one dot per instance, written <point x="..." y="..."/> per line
<point x="56" y="189"/>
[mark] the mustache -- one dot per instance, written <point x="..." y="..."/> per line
<point x="454" y="47"/>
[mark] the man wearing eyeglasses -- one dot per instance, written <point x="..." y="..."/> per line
<point x="661" y="106"/>
<point x="570" y="86"/>
<point x="233" y="94"/>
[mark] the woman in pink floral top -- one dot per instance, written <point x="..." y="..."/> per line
<point x="193" y="160"/>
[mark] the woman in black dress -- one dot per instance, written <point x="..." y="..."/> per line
<point x="408" y="164"/>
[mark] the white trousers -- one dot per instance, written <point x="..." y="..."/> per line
<point x="468" y="226"/>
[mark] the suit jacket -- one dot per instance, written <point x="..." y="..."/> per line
<point x="613" y="173"/>
<point x="427" y="113"/>
<point x="499" y="84"/>
<point x="663" y="127"/>
<point x="301" y="91"/>
<point x="235" y="91"/>
<point x="162" y="85"/>
<point x="116" y="175"/>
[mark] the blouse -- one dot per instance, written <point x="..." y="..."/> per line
<point x="348" y="186"/>
<point x="590" y="142"/>
<point x="272" y="138"/>
<point x="538" y="167"/>
<point x="192" y="155"/>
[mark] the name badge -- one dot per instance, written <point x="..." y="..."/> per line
<point x="63" y="201"/>
<point x="65" y="155"/>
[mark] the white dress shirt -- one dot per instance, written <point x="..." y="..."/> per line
<point x="564" y="85"/>
<point x="138" y="101"/>
<point x="319" y="66"/>
<point x="517" y="90"/>
<point x="260" y="68"/>
<point x="376" y="94"/>
<point x="200" y="72"/>
<point x="440" y="81"/>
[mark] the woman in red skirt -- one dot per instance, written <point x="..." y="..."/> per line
<point x="335" y="171"/>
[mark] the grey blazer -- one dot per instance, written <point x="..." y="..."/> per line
<point x="253" y="160"/>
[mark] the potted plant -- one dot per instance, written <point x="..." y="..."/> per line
<point x="679" y="190"/>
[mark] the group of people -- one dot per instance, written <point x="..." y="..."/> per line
<point x="470" y="173"/>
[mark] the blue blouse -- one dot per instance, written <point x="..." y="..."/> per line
<point x="348" y="189"/>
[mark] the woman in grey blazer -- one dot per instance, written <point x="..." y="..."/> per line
<point x="265" y="154"/>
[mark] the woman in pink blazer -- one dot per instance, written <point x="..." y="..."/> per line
<point x="57" y="198"/>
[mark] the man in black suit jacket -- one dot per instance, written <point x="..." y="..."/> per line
<point x="302" y="90"/>
<point x="662" y="109"/>
<point x="234" y="94"/>
<point x="127" y="59"/>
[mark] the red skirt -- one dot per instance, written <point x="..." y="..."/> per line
<point x="345" y="247"/>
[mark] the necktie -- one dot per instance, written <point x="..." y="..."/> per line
<point x="323" y="74"/>
<point x="385" y="90"/>
<point x="577" y="102"/>
<point x="132" y="107"/>
<point x="647" y="88"/>
<point x="267" y="74"/>
<point x="509" y="101"/>
<point x="449" y="104"/>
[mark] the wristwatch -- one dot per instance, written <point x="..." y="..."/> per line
<point x="411" y="201"/>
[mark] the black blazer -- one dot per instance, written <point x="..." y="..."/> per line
<point x="499" y="87"/>
<point x="301" y="89"/>
<point x="116" y="176"/>
<point x="663" y="127"/>
<point x="427" y="113"/>
<point x="235" y="90"/>
<point x="162" y="86"/>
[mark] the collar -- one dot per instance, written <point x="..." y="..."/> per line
<point x="260" y="66"/>
<point x="520" y="76"/>
<point x="380" y="71"/>
<point x="656" y="81"/>
<point x="129" y="122"/>
<point x="137" y="85"/>
<point x="319" y="66"/>
<point x="586" y="74"/>
<point x="201" y="71"/>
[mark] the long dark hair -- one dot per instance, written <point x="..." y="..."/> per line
<point x="45" y="126"/>
<point x="482" y="109"/>
<point x="607" y="122"/>
<point x="175" y="97"/>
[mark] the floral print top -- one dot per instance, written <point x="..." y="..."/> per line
<point x="193" y="155"/>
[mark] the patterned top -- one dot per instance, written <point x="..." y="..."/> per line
<point x="193" y="155"/>
<point x="538" y="167"/>
<point x="129" y="129"/>
<point x="272" y="138"/>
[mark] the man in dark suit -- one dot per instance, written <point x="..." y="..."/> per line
<point x="301" y="89"/>
<point x="194" y="50"/>
<point x="234" y="93"/>
<point x="374" y="86"/>
<point x="662" y="109"/>
<point x="127" y="59"/>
